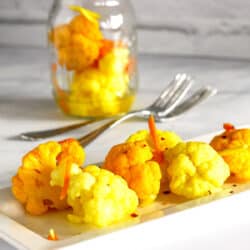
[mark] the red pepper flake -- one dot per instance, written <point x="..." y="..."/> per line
<point x="134" y="215"/>
<point x="234" y="185"/>
<point x="47" y="202"/>
<point x="166" y="192"/>
<point x="231" y="192"/>
<point x="37" y="171"/>
<point x="228" y="126"/>
<point x="52" y="235"/>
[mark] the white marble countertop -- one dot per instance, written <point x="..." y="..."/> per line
<point x="26" y="104"/>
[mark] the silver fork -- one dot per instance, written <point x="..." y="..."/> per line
<point x="196" y="98"/>
<point x="164" y="104"/>
<point x="190" y="102"/>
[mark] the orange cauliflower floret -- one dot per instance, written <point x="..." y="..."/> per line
<point x="132" y="161"/>
<point x="167" y="139"/>
<point x="78" y="43"/>
<point x="81" y="53"/>
<point x="31" y="185"/>
<point x="234" y="146"/>
<point x="91" y="30"/>
<point x="99" y="197"/>
<point x="195" y="169"/>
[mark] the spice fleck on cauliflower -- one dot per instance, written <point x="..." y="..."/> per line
<point x="100" y="197"/>
<point x="31" y="185"/>
<point x="132" y="161"/>
<point x="195" y="169"/>
<point x="234" y="146"/>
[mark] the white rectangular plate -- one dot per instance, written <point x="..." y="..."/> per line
<point x="158" y="224"/>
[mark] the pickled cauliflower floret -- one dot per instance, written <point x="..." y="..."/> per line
<point x="132" y="161"/>
<point x="164" y="141"/>
<point x="88" y="82"/>
<point x="100" y="197"/>
<point x="80" y="54"/>
<point x="114" y="62"/>
<point x="195" y="169"/>
<point x="88" y="28"/>
<point x="31" y="185"/>
<point x="94" y="92"/>
<point x="78" y="43"/>
<point x="234" y="146"/>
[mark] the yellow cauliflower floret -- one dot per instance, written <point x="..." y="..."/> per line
<point x="234" y="146"/>
<point x="100" y="197"/>
<point x="93" y="92"/>
<point x="132" y="161"/>
<point x="195" y="169"/>
<point x="117" y="84"/>
<point x="92" y="82"/>
<point x="115" y="61"/>
<point x="31" y="185"/>
<point x="87" y="83"/>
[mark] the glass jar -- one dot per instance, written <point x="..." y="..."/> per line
<point x="93" y="55"/>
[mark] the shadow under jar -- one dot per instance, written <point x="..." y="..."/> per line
<point x="93" y="56"/>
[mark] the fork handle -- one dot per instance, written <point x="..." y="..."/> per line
<point x="92" y="135"/>
<point x="52" y="132"/>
